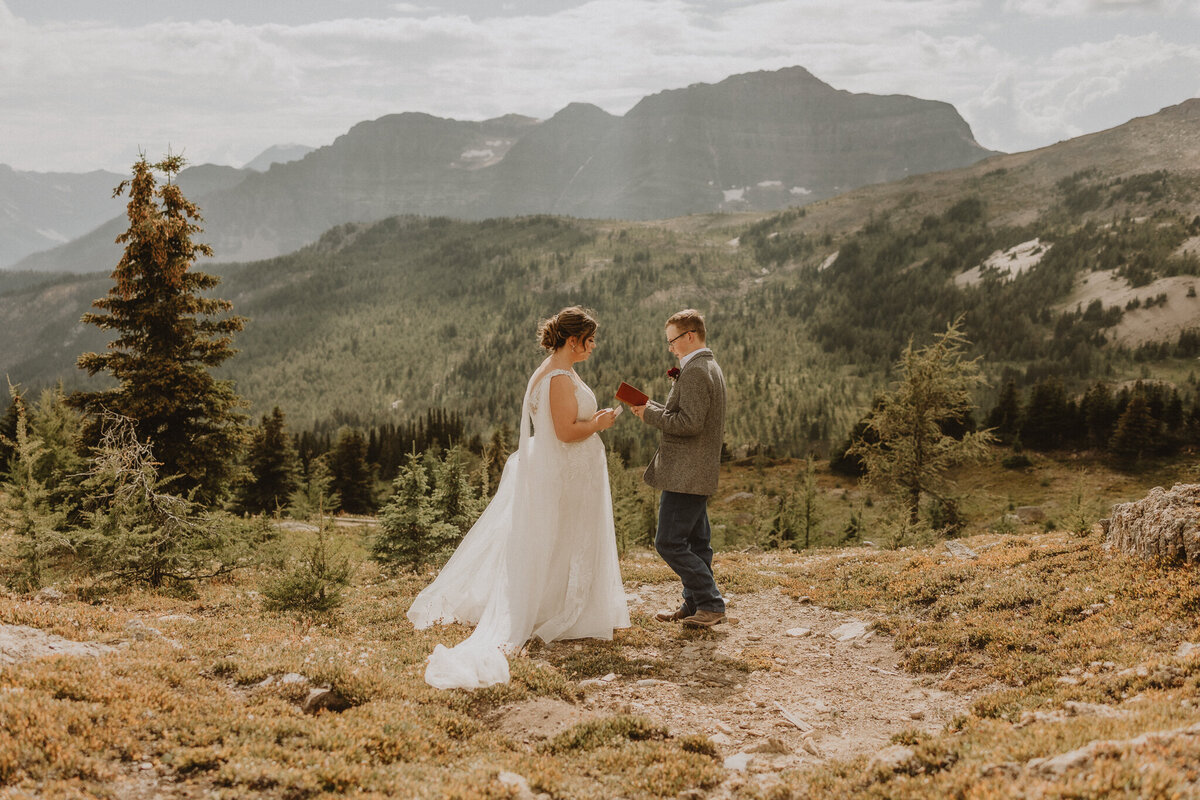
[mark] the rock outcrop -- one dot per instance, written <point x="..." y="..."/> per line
<point x="20" y="643"/>
<point x="1164" y="525"/>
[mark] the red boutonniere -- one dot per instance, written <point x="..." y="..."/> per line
<point x="673" y="373"/>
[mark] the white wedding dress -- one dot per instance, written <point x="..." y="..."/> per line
<point x="540" y="561"/>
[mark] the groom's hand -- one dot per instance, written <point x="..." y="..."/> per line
<point x="638" y="411"/>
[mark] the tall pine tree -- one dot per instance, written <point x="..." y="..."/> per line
<point x="168" y="336"/>
<point x="1047" y="417"/>
<point x="454" y="498"/>
<point x="271" y="467"/>
<point x="1137" y="432"/>
<point x="352" y="479"/>
<point x="410" y="533"/>
<point x="1099" y="415"/>
<point x="1005" y="418"/>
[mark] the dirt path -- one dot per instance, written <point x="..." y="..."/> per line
<point x="844" y="698"/>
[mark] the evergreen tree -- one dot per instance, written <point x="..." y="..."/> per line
<point x="854" y="526"/>
<point x="1099" y="415"/>
<point x="315" y="497"/>
<point x="1137" y="432"/>
<point x="138" y="532"/>
<point x="8" y="434"/>
<point x="1191" y="423"/>
<point x="29" y="509"/>
<point x="271" y="465"/>
<point x="454" y="500"/>
<point x="913" y="453"/>
<point x="807" y="512"/>
<point x="1047" y="416"/>
<point x="410" y="534"/>
<point x="846" y="461"/>
<point x="1005" y="418"/>
<point x="1173" y="419"/>
<point x="352" y="480"/>
<point x="495" y="455"/>
<point x="61" y="465"/>
<point x="168" y="337"/>
<point x="315" y="582"/>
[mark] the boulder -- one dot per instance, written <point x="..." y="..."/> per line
<point x="849" y="631"/>
<point x="1030" y="515"/>
<point x="738" y="762"/>
<point x="1164" y="525"/>
<point x="960" y="550"/>
<point x="326" y="699"/>
<point x="49" y="594"/>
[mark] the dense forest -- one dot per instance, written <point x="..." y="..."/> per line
<point x="806" y="326"/>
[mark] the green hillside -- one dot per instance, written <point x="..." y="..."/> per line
<point x="807" y="307"/>
<point x="411" y="313"/>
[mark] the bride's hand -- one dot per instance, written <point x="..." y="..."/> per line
<point x="604" y="419"/>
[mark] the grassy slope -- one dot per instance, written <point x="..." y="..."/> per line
<point x="1033" y="607"/>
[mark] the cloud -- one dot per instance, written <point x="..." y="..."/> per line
<point x="1081" y="88"/>
<point x="1079" y="8"/>
<point x="92" y="93"/>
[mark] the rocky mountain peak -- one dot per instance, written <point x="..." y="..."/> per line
<point x="763" y="140"/>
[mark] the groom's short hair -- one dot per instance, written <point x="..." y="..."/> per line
<point x="688" y="320"/>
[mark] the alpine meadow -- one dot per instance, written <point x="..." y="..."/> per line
<point x="940" y="389"/>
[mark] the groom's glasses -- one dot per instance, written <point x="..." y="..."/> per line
<point x="680" y="336"/>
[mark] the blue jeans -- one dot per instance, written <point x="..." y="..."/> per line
<point x="684" y="540"/>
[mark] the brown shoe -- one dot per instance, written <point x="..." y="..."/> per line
<point x="704" y="619"/>
<point x="671" y="616"/>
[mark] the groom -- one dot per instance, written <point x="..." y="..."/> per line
<point x="685" y="468"/>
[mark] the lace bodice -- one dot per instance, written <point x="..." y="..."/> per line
<point x="539" y="401"/>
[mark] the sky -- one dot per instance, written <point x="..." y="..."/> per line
<point x="89" y="84"/>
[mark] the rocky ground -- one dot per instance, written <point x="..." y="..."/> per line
<point x="832" y="689"/>
<point x="785" y="690"/>
<point x="822" y="685"/>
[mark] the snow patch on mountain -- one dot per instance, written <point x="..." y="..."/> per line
<point x="1006" y="264"/>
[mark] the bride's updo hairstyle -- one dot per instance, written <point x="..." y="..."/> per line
<point x="572" y="321"/>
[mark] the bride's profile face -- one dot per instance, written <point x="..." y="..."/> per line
<point x="581" y="349"/>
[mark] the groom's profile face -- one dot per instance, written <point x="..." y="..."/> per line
<point x="681" y="342"/>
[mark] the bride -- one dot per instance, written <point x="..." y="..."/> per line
<point x="542" y="558"/>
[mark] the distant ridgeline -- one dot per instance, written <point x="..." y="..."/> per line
<point x="1078" y="261"/>
<point x="759" y="141"/>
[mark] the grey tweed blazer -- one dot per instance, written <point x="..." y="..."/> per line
<point x="692" y="422"/>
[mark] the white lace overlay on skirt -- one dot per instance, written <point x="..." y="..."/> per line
<point x="540" y="561"/>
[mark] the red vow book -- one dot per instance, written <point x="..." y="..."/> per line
<point x="630" y="395"/>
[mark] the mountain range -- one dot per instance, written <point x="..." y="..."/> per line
<point x="759" y="141"/>
<point x="43" y="210"/>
